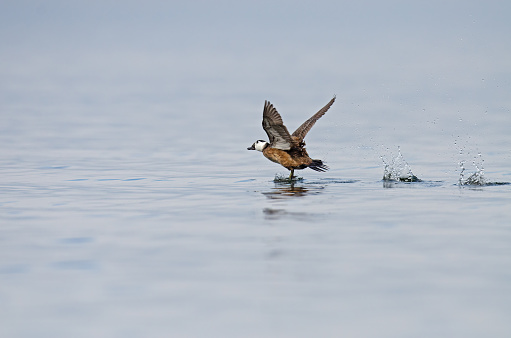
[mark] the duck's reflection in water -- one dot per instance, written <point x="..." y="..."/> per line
<point x="288" y="191"/>
<point x="273" y="214"/>
<point x="291" y="190"/>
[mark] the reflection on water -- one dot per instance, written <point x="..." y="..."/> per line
<point x="289" y="190"/>
<point x="393" y="184"/>
<point x="274" y="214"/>
<point x="300" y="187"/>
<point x="413" y="184"/>
<point x="297" y="188"/>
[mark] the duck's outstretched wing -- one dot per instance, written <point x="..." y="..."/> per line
<point x="273" y="126"/>
<point x="307" y="125"/>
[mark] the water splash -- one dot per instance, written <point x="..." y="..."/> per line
<point x="476" y="178"/>
<point x="279" y="178"/>
<point x="398" y="170"/>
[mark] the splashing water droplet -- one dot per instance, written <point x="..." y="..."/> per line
<point x="476" y="178"/>
<point x="398" y="169"/>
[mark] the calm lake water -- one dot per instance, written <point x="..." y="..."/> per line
<point x="126" y="233"/>
<point x="130" y="207"/>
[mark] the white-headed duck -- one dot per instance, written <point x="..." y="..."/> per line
<point x="288" y="149"/>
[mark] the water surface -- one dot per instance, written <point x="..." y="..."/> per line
<point x="130" y="207"/>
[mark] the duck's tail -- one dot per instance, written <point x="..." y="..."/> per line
<point x="318" y="165"/>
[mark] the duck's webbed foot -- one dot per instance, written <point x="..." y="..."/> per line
<point x="291" y="174"/>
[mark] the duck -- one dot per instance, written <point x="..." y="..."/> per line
<point x="287" y="149"/>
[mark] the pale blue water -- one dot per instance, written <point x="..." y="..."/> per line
<point x="123" y="238"/>
<point x="130" y="207"/>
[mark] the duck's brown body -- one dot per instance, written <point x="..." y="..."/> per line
<point x="287" y="149"/>
<point x="296" y="158"/>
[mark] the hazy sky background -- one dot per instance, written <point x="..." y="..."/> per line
<point x="423" y="66"/>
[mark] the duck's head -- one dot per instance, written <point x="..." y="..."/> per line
<point x="258" y="145"/>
